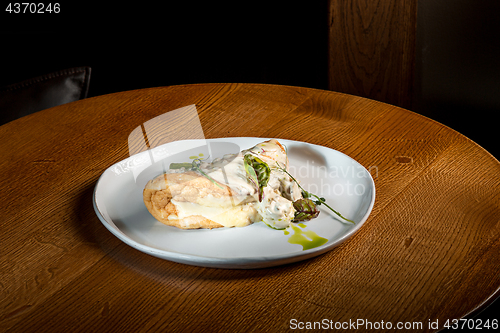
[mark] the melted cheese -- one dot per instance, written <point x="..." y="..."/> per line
<point x="236" y="216"/>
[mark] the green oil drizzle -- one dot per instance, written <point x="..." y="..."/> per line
<point x="195" y="157"/>
<point x="308" y="239"/>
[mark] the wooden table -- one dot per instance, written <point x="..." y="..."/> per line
<point x="429" y="251"/>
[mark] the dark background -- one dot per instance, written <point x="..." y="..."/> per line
<point x="458" y="67"/>
<point x="158" y="45"/>
<point x="140" y="45"/>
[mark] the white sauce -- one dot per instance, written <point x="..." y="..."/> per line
<point x="276" y="208"/>
<point x="231" y="172"/>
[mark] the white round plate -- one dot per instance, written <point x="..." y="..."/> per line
<point x="345" y="184"/>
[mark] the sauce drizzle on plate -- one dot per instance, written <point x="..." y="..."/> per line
<point x="308" y="239"/>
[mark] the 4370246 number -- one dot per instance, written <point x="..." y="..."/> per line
<point x="471" y="324"/>
<point x="32" y="8"/>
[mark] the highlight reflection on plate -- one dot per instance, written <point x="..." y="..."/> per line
<point x="346" y="185"/>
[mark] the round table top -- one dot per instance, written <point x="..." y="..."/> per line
<point x="428" y="253"/>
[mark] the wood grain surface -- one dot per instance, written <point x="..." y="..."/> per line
<point x="429" y="251"/>
<point x="372" y="49"/>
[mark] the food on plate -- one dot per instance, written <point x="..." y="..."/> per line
<point x="233" y="191"/>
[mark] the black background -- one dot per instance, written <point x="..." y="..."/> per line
<point x="157" y="45"/>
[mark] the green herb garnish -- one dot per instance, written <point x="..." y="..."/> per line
<point x="196" y="166"/>
<point x="258" y="172"/>
<point x="181" y="165"/>
<point x="319" y="201"/>
<point x="305" y="210"/>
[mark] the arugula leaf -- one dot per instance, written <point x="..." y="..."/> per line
<point x="258" y="172"/>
